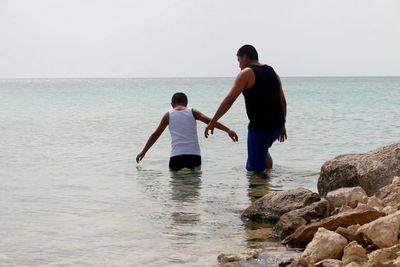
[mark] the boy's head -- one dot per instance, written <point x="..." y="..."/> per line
<point x="179" y="99"/>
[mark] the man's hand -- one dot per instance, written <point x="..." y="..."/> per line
<point x="283" y="136"/>
<point x="140" y="156"/>
<point x="233" y="135"/>
<point x="209" y="127"/>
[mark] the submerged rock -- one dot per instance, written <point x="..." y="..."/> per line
<point x="259" y="257"/>
<point x="372" y="170"/>
<point x="361" y="215"/>
<point x="271" y="206"/>
<point x="382" y="232"/>
<point x="347" y="196"/>
<point x="290" y="221"/>
<point x="325" y="245"/>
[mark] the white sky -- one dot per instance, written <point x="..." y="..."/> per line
<point x="192" y="38"/>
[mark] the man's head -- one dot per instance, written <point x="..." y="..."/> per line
<point x="179" y="99"/>
<point x="247" y="55"/>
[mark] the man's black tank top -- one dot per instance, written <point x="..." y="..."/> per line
<point x="263" y="103"/>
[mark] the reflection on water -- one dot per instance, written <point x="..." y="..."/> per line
<point x="185" y="185"/>
<point x="259" y="185"/>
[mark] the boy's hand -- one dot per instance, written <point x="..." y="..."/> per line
<point x="140" y="156"/>
<point x="283" y="136"/>
<point x="233" y="135"/>
<point x="209" y="127"/>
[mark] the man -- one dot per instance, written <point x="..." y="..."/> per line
<point x="265" y="107"/>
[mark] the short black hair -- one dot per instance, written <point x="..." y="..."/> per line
<point x="249" y="51"/>
<point x="179" y="98"/>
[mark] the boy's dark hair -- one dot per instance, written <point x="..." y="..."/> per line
<point x="179" y="98"/>
<point x="249" y="51"/>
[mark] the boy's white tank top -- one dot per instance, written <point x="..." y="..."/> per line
<point x="183" y="129"/>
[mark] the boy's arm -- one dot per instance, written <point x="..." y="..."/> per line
<point x="201" y="117"/>
<point x="153" y="137"/>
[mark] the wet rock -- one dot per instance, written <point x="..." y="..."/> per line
<point x="329" y="263"/>
<point x="382" y="232"/>
<point x="353" y="252"/>
<point x="346" y="196"/>
<point x="290" y="221"/>
<point x="271" y="255"/>
<point x="361" y="215"/>
<point x="299" y="262"/>
<point x="372" y="170"/>
<point x="390" y="194"/>
<point x="325" y="245"/>
<point x="384" y="254"/>
<point x="271" y="206"/>
<point x="234" y="257"/>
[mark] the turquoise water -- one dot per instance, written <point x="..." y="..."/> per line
<point x="71" y="193"/>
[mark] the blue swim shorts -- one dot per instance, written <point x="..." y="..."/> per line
<point x="258" y="143"/>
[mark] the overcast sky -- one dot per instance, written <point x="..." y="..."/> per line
<point x="192" y="38"/>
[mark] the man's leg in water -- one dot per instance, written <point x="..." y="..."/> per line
<point x="269" y="162"/>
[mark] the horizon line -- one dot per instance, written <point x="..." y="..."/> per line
<point x="198" y="77"/>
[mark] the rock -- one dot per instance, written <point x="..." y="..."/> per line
<point x="389" y="210"/>
<point x="351" y="235"/>
<point x="384" y="254"/>
<point x="353" y="252"/>
<point x="290" y="221"/>
<point x="372" y="170"/>
<point x="346" y="196"/>
<point x="300" y="262"/>
<point x="382" y="232"/>
<point x="376" y="203"/>
<point x="246" y="255"/>
<point x="303" y="235"/>
<point x="390" y="194"/>
<point x="271" y="206"/>
<point x="325" y="245"/>
<point x="329" y="263"/>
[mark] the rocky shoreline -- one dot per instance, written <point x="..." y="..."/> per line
<point x="353" y="220"/>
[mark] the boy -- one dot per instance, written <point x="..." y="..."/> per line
<point x="182" y="126"/>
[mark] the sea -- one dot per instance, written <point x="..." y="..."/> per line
<point x="72" y="194"/>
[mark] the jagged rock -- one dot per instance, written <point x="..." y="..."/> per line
<point x="329" y="263"/>
<point x="372" y="170"/>
<point x="390" y="194"/>
<point x="271" y="206"/>
<point x="353" y="252"/>
<point x="346" y="196"/>
<point x="382" y="232"/>
<point x="361" y="215"/>
<point x="325" y="245"/>
<point x="290" y="221"/>
<point x="384" y="254"/>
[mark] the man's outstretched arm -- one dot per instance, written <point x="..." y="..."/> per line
<point x="239" y="85"/>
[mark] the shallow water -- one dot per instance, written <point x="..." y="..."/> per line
<point x="71" y="193"/>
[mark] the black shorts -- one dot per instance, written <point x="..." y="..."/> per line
<point x="184" y="161"/>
